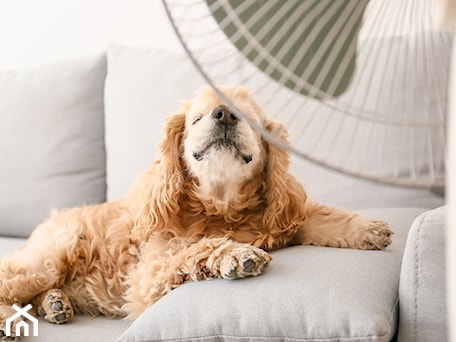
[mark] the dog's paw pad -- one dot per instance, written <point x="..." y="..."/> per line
<point x="3" y="336"/>
<point x="56" y="307"/>
<point x="5" y="312"/>
<point x="378" y="235"/>
<point x="244" y="262"/>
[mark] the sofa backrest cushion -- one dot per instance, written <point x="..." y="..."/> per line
<point x="52" y="152"/>
<point x="143" y="87"/>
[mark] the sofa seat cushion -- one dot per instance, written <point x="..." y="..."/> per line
<point x="308" y="293"/>
<point x="81" y="328"/>
<point x="9" y="244"/>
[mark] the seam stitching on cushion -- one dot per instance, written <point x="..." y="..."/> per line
<point x="267" y="338"/>
<point x="393" y="313"/>
<point x="417" y="283"/>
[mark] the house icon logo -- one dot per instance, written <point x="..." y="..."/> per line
<point x="22" y="324"/>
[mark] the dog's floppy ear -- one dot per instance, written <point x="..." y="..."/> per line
<point x="285" y="197"/>
<point x="156" y="195"/>
<point x="170" y="147"/>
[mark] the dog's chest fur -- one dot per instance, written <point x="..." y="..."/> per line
<point x="215" y="217"/>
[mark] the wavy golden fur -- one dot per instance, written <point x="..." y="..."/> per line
<point x="216" y="200"/>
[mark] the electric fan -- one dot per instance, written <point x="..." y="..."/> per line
<point x="361" y="85"/>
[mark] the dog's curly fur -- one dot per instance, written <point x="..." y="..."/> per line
<point x="218" y="197"/>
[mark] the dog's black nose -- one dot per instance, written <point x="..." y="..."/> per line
<point x="224" y="115"/>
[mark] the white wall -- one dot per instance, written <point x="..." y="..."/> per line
<point x="40" y="31"/>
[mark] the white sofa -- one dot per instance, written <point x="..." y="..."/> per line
<point x="79" y="132"/>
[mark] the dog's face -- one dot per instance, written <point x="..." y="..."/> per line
<point x="213" y="168"/>
<point x="221" y="148"/>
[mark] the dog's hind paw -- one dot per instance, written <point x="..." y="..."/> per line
<point x="55" y="307"/>
<point x="244" y="262"/>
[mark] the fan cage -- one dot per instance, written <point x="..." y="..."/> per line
<point x="389" y="124"/>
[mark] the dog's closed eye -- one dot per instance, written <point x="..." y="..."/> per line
<point x="195" y="120"/>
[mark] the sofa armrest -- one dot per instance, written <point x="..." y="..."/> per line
<point x="422" y="288"/>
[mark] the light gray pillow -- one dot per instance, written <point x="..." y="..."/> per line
<point x="52" y="152"/>
<point x="307" y="294"/>
<point x="422" y="290"/>
<point x="142" y="88"/>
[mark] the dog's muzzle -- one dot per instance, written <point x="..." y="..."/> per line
<point x="224" y="134"/>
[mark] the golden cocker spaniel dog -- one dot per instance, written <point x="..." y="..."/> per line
<point x="216" y="200"/>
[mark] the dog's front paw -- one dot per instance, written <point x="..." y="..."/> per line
<point x="244" y="262"/>
<point x="3" y="336"/>
<point x="56" y="307"/>
<point x="12" y="336"/>
<point x="378" y="235"/>
<point x="6" y="312"/>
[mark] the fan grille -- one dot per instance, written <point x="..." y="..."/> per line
<point x="361" y="86"/>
